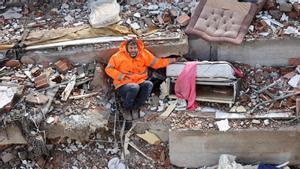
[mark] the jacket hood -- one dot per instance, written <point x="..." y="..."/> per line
<point x="140" y="45"/>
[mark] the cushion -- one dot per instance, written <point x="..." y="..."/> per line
<point x="222" y="20"/>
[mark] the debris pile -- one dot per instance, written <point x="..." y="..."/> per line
<point x="140" y="16"/>
<point x="144" y="16"/>
<point x="38" y="96"/>
<point x="266" y="93"/>
<point x="38" y="15"/>
<point x="278" y="19"/>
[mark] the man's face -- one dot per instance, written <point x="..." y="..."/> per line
<point x="132" y="50"/>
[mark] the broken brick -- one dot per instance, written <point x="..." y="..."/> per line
<point x="58" y="78"/>
<point x="293" y="15"/>
<point x="261" y="26"/>
<point x="166" y="16"/>
<point x="63" y="65"/>
<point x="36" y="71"/>
<point x="297" y="7"/>
<point x="289" y="75"/>
<point x="41" y="81"/>
<point x="13" y="64"/>
<point x="270" y="4"/>
<point x="294" y="61"/>
<point x="183" y="20"/>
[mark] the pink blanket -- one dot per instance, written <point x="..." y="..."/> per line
<point x="185" y="86"/>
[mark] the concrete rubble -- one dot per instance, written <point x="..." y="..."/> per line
<point x="278" y="19"/>
<point x="147" y="16"/>
<point x="40" y="103"/>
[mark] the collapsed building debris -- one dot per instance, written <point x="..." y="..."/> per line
<point x="32" y="100"/>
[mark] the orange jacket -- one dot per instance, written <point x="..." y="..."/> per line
<point x="124" y="69"/>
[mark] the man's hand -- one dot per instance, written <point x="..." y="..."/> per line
<point x="181" y="59"/>
<point x="134" y="76"/>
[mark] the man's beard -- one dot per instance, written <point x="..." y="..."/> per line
<point x="133" y="55"/>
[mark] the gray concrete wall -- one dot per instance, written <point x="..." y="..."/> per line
<point x="263" y="52"/>
<point x="195" y="148"/>
<point x="102" y="52"/>
<point x="199" y="49"/>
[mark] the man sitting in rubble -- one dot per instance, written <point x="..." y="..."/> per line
<point x="128" y="69"/>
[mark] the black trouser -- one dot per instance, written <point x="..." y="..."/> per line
<point x="134" y="95"/>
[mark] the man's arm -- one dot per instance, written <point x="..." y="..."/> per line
<point x="112" y="71"/>
<point x="155" y="62"/>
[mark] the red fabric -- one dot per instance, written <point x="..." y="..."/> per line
<point x="238" y="72"/>
<point x="185" y="86"/>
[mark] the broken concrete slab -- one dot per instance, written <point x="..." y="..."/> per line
<point x="6" y="157"/>
<point x="36" y="98"/>
<point x="286" y="7"/>
<point x="196" y="148"/>
<point x="275" y="52"/>
<point x="176" y="44"/>
<point x="11" y="135"/>
<point x="78" y="126"/>
<point x="263" y="52"/>
<point x="158" y="128"/>
<point x="9" y="94"/>
<point x="100" y="79"/>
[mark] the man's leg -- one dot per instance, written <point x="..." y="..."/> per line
<point x="128" y="94"/>
<point x="144" y="93"/>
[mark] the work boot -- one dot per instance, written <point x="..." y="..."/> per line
<point x="135" y="114"/>
<point x="126" y="114"/>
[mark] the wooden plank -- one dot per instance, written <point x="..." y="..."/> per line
<point x="169" y="110"/>
<point x="149" y="138"/>
<point x="83" y="96"/>
<point x="66" y="93"/>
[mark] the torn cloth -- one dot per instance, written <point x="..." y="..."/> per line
<point x="185" y="86"/>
